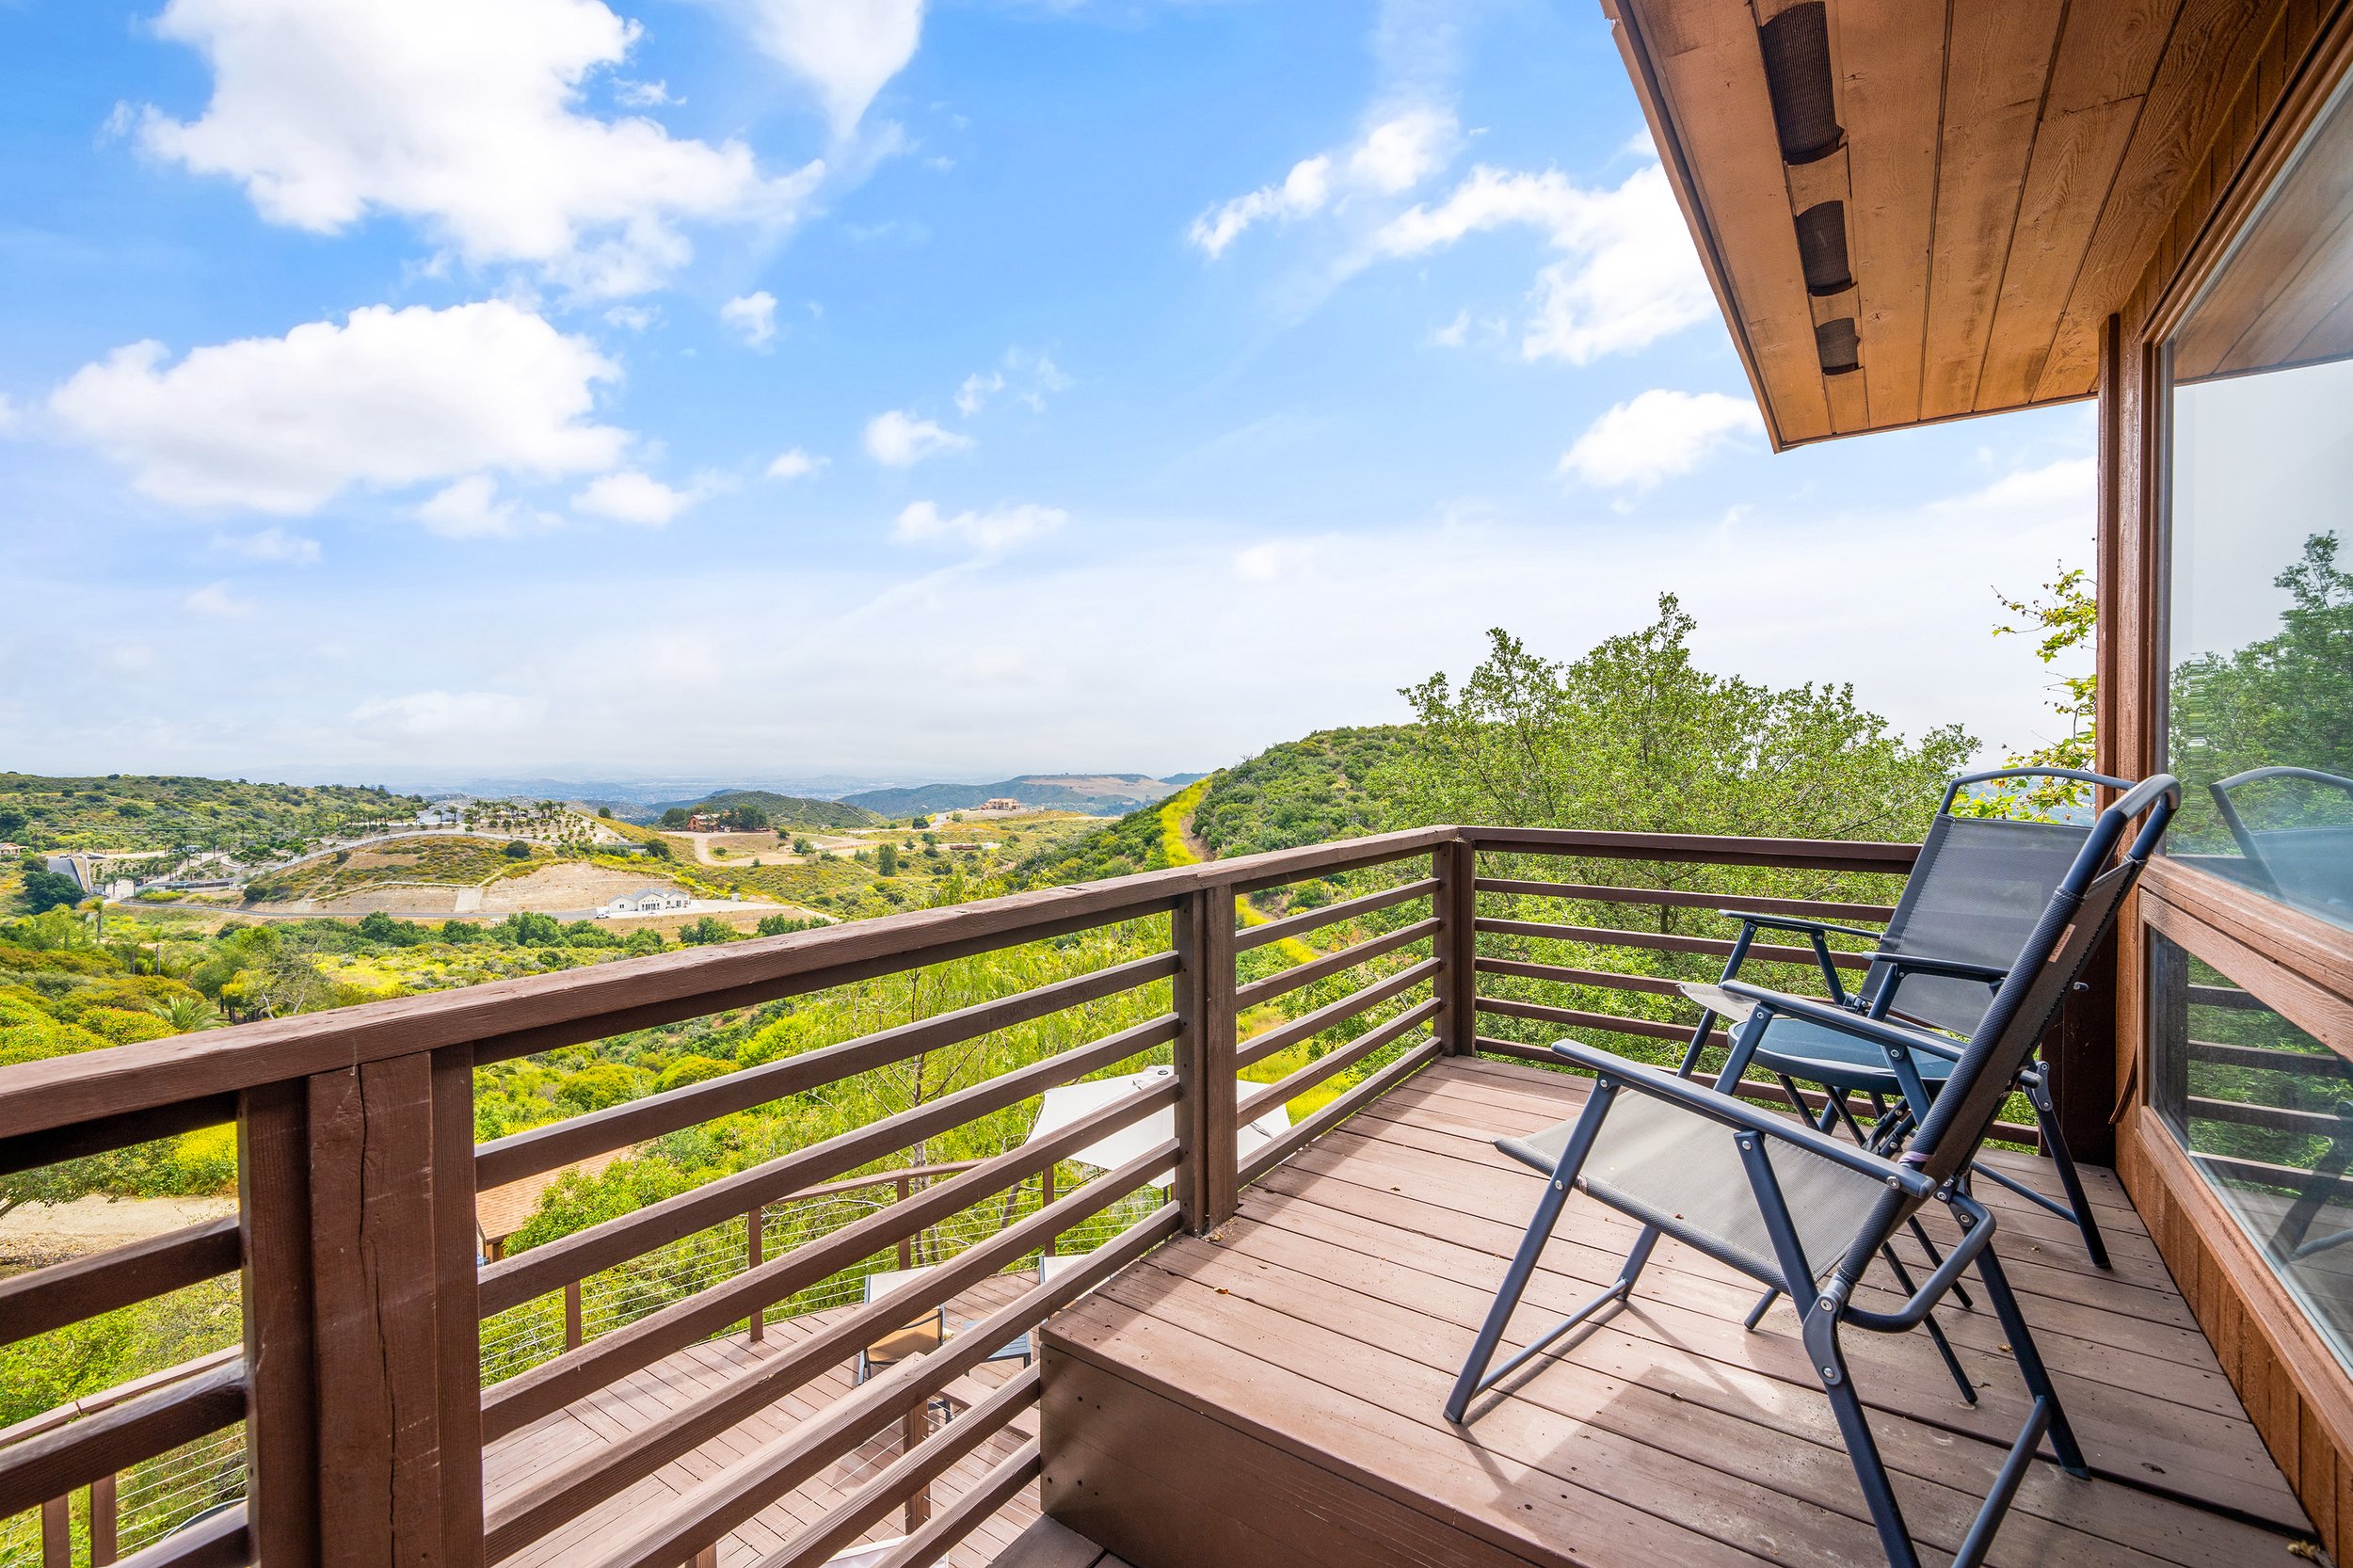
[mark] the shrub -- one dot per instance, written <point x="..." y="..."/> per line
<point x="516" y="850"/>
<point x="690" y="1069"/>
<point x="642" y="941"/>
<point x="887" y="861"/>
<point x="709" y="929"/>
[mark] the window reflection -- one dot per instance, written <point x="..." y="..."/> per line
<point x="2259" y="710"/>
<point x="2266" y="1112"/>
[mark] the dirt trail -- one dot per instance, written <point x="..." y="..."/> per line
<point x="43" y="1233"/>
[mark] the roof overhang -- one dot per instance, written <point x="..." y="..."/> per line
<point x="2001" y="172"/>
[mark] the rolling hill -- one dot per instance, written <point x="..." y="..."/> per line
<point x="1095" y="795"/>
<point x="129" y="811"/>
<point x="783" y="810"/>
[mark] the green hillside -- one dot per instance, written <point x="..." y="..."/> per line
<point x="1310" y="790"/>
<point x="780" y="810"/>
<point x="126" y="811"/>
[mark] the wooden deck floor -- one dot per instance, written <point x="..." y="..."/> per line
<point x="1273" y="1393"/>
<point x="637" y="1401"/>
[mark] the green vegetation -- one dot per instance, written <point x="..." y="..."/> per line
<point x="252" y="822"/>
<point x="1305" y="791"/>
<point x="753" y="810"/>
<point x="442" y="860"/>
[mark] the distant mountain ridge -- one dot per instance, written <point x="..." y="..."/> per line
<point x="1108" y="795"/>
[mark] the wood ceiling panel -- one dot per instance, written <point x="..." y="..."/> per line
<point x="2213" y="45"/>
<point x="1891" y="65"/>
<point x="1713" y="78"/>
<point x="2107" y="55"/>
<point x="1998" y="60"/>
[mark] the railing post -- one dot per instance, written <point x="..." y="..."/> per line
<point x="1203" y="929"/>
<point x="1457" y="947"/>
<point x="103" y="1520"/>
<point x="907" y="1243"/>
<point x="753" y="1240"/>
<point x="575" y="1320"/>
<point x="1045" y="1200"/>
<point x="57" y="1534"/>
<point x="362" y="1339"/>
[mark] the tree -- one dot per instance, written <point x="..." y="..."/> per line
<point x="675" y="817"/>
<point x="887" y="859"/>
<point x="642" y="941"/>
<point x="779" y="925"/>
<point x="709" y="929"/>
<point x="2064" y="621"/>
<point x="605" y="811"/>
<point x="1633" y="736"/>
<point x="46" y="890"/>
<point x="516" y="850"/>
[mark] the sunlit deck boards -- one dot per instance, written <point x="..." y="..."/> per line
<point x="1273" y="1396"/>
<point x="633" y="1402"/>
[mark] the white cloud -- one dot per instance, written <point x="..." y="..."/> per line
<point x="844" y="50"/>
<point x="271" y="544"/>
<point x="998" y="529"/>
<point x="1399" y="153"/>
<point x="1657" y="436"/>
<point x="9" y="414"/>
<point x="439" y="716"/>
<point x="1394" y="156"/>
<point x="2069" y="481"/>
<point x="897" y="439"/>
<point x="632" y="318"/>
<point x="795" y="464"/>
<point x="1630" y="276"/>
<point x="1304" y="191"/>
<point x="465" y="116"/>
<point x="752" y="314"/>
<point x="215" y="600"/>
<point x="390" y="398"/>
<point x="642" y="95"/>
<point x="633" y="497"/>
<point x="977" y="388"/>
<point x="471" y="510"/>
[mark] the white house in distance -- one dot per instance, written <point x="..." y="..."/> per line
<point x="645" y="901"/>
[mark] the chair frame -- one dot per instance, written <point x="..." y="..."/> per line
<point x="1908" y="1182"/>
<point x="1887" y="1134"/>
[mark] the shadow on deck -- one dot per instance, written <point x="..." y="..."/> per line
<point x="1270" y="1394"/>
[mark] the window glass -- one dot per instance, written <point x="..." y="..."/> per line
<point x="2265" y="1113"/>
<point x="2260" y="623"/>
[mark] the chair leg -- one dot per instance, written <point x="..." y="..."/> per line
<point x="1936" y="1330"/>
<point x="2046" y="1117"/>
<point x="1475" y="1376"/>
<point x="2030" y="1366"/>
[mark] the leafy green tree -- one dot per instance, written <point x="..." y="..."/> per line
<point x="887" y="859"/>
<point x="779" y="925"/>
<point x="643" y="940"/>
<point x="530" y="929"/>
<point x="2285" y="701"/>
<point x="2064" y="621"/>
<point x="709" y="929"/>
<point x="516" y="850"/>
<point x="1634" y="736"/>
<point x="675" y="817"/>
<point x="46" y="890"/>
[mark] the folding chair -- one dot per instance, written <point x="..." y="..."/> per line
<point x="2299" y="860"/>
<point x="1972" y="900"/>
<point x="1790" y="1205"/>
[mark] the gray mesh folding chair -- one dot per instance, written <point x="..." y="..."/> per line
<point x="2299" y="860"/>
<point x="1973" y="898"/>
<point x="1805" y="1212"/>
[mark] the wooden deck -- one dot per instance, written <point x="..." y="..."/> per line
<point x="1270" y="1394"/>
<point x="637" y="1400"/>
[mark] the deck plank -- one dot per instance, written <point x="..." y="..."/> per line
<point x="1325" y="1322"/>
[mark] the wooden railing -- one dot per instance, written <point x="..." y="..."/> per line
<point x="361" y="1382"/>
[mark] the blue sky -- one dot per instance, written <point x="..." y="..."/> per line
<point x="412" y="388"/>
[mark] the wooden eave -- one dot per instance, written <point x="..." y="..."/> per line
<point x="2007" y="168"/>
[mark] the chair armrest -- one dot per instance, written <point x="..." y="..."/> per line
<point x="1732" y="1111"/>
<point x="1787" y="923"/>
<point x="1880" y="1031"/>
<point x="1921" y="963"/>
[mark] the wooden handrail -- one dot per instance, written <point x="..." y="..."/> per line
<point x="1615" y="937"/>
<point x="48" y="1298"/>
<point x="1308" y="1025"/>
<point x="54" y="1462"/>
<point x="1333" y="914"/>
<point x="1289" y="980"/>
<point x="1798" y="908"/>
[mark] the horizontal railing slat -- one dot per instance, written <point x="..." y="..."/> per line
<point x="2275" y="1118"/>
<point x="551" y="1498"/>
<point x="1308" y="1025"/>
<point x="1568" y="975"/>
<point x="2269" y="1059"/>
<point x="1798" y="908"/>
<point x="54" y="1462"/>
<point x="1291" y="1086"/>
<point x="552" y="1385"/>
<point x="49" y="1298"/>
<point x="1813" y="855"/>
<point x="1578" y="1017"/>
<point x="1246" y="996"/>
<point x="940" y="1533"/>
<point x="219" y="1542"/>
<point x="100" y="1132"/>
<point x="1617" y="936"/>
<point x="545" y="1148"/>
<point x="513" y="1281"/>
<point x="913" y="1470"/>
<point x="721" y="1503"/>
<point x="1274" y="1151"/>
<point x="1333" y="914"/>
